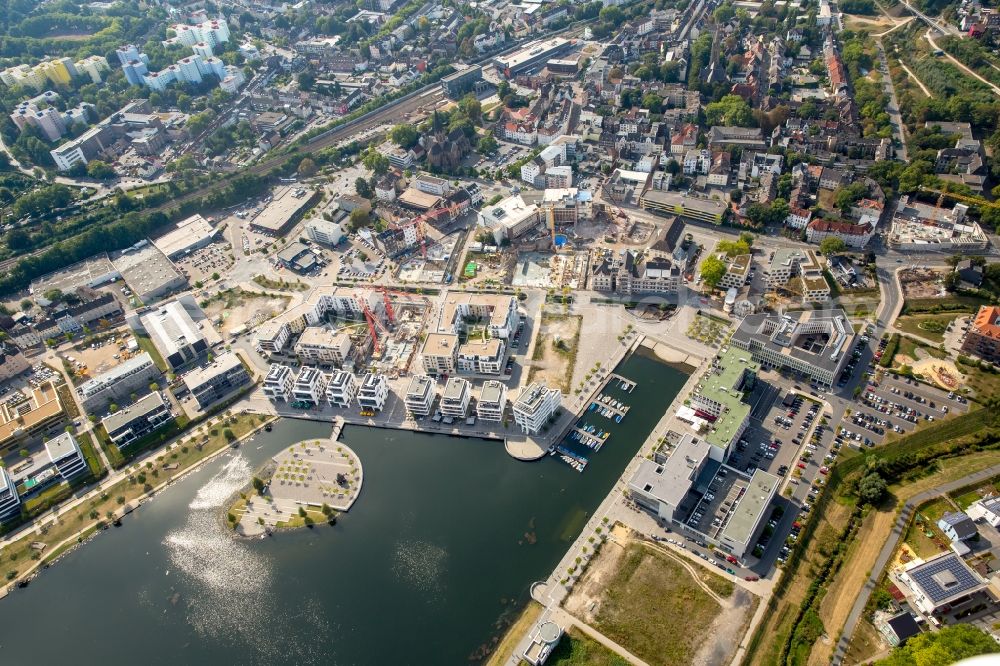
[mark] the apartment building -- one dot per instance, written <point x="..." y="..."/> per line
<point x="373" y="391"/>
<point x="482" y="357"/>
<point x="10" y="501"/>
<point x="341" y="388"/>
<point x="40" y="414"/>
<point x="737" y="271"/>
<point x="309" y="385"/>
<point x="278" y="382"/>
<point x="147" y="415"/>
<point x="216" y="380"/>
<point x="982" y="340"/>
<point x="66" y="457"/>
<point x="455" y="399"/>
<point x="855" y="236"/>
<point x="272" y="337"/>
<point x="492" y="401"/>
<point x="440" y="354"/>
<point x="321" y="346"/>
<point x="497" y="313"/>
<point x="800" y="272"/>
<point x="419" y="398"/>
<point x="535" y="406"/>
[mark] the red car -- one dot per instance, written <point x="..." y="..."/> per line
<point x="801" y="465"/>
<point x="751" y="578"/>
<point x="731" y="559"/>
<point x="824" y="470"/>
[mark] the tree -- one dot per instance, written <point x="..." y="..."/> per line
<point x="258" y="485"/>
<point x="488" y="145"/>
<point x="731" y="110"/>
<point x="733" y="248"/>
<point x="363" y="188"/>
<point x="229" y="435"/>
<point x="306" y="80"/>
<point x="360" y="218"/>
<point x="832" y="245"/>
<point x="100" y="170"/>
<point x="307" y="167"/>
<point x="747" y="237"/>
<point x="712" y="270"/>
<point x="941" y="648"/>
<point x="404" y="136"/>
<point x="871" y="488"/>
<point x="376" y="162"/>
<point x="53" y="295"/>
<point x="154" y="387"/>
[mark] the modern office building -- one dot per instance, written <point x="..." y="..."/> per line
<point x="40" y="414"/>
<point x="324" y="232"/>
<point x="373" y="392"/>
<point x="718" y="402"/>
<point x="341" y="388"/>
<point x="814" y="343"/>
<point x="420" y="395"/>
<point x="278" y="382"/>
<point x="178" y="339"/>
<point x="129" y="424"/>
<point x="535" y="406"/>
<point x="66" y="457"/>
<point x="492" y="401"/>
<point x="455" y="399"/>
<point x="309" y="386"/>
<point x="216" y="380"/>
<point x="118" y="383"/>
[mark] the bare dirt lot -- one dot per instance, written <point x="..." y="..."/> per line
<point x="88" y="361"/>
<point x="639" y="594"/>
<point x="555" y="351"/>
<point x="921" y="283"/>
<point x="233" y="308"/>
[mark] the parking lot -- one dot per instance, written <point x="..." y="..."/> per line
<point x="200" y="265"/>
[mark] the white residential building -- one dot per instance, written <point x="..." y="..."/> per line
<point x="342" y="389"/>
<point x="533" y="408"/>
<point x="481" y="357"/>
<point x="440" y="353"/>
<point x="456" y="397"/>
<point x="10" y="501"/>
<point x="66" y="456"/>
<point x="373" y="392"/>
<point x="324" y="231"/>
<point x="321" y="346"/>
<point x="310" y="385"/>
<point x="420" y="395"/>
<point x="278" y="382"/>
<point x="492" y="401"/>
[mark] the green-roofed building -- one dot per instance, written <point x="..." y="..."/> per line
<point x="718" y="399"/>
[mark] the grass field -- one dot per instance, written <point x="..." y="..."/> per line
<point x="926" y="523"/>
<point x="929" y="327"/>
<point x="983" y="383"/>
<point x="649" y="596"/>
<point x="578" y="649"/>
<point x="146" y="344"/>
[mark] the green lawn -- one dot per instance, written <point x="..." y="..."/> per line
<point x="924" y="523"/>
<point x="983" y="383"/>
<point x="146" y="344"/>
<point x="929" y="327"/>
<point x="647" y="599"/>
<point x="578" y="649"/>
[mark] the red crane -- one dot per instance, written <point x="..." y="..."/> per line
<point x="374" y="328"/>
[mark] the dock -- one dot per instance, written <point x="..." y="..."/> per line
<point x="611" y="404"/>
<point x="626" y="384"/>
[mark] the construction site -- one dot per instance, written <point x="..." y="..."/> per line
<point x="388" y="339"/>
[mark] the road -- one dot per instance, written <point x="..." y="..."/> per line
<point x="899" y="129"/>
<point x="890" y="547"/>
<point x="944" y="29"/>
<point x="928" y="36"/>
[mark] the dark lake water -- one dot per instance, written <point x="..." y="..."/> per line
<point x="439" y="550"/>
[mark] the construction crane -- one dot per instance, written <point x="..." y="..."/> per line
<point x="418" y="224"/>
<point x="974" y="201"/>
<point x="552" y="228"/>
<point x="374" y="328"/>
<point x="390" y="313"/>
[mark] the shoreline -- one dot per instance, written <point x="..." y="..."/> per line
<point x="90" y="531"/>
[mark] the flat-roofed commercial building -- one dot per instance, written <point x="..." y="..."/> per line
<point x="147" y="415"/>
<point x="456" y="397"/>
<point x="324" y="231"/>
<point x="532" y="54"/>
<point x="278" y="382"/>
<point x="65" y="454"/>
<point x="41" y="413"/>
<point x="718" y="399"/>
<point x="737" y="271"/>
<point x="815" y="343"/>
<point x="534" y="406"/>
<point x="148" y="273"/>
<point x="216" y="380"/>
<point x="420" y="395"/>
<point x="662" y="484"/>
<point x="176" y="336"/>
<point x="341" y="389"/>
<point x="509" y="218"/>
<point x="321" y="346"/>
<point x="191" y="233"/>
<point x="285" y="209"/>
<point x="373" y="392"/>
<point x="118" y="383"/>
<point x="310" y="385"/>
<point x="457" y="84"/>
<point x="492" y="401"/>
<point x="676" y="203"/>
<point x="440" y="353"/>
<point x="748" y="514"/>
